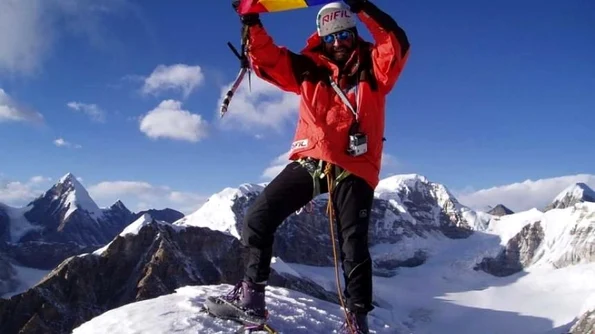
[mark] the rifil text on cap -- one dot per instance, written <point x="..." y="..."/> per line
<point x="335" y="15"/>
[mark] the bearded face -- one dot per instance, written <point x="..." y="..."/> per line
<point x="339" y="45"/>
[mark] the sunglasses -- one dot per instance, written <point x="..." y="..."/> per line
<point x="341" y="36"/>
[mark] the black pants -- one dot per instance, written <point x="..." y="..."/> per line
<point x="290" y="190"/>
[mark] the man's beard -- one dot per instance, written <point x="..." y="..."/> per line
<point x="341" y="54"/>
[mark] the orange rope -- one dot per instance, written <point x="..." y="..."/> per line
<point x="328" y="171"/>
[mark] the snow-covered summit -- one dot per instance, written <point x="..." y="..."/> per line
<point x="574" y="193"/>
<point x="416" y="194"/>
<point x="578" y="190"/>
<point x="397" y="182"/>
<point x="180" y="312"/>
<point x="217" y="213"/>
<point x="68" y="177"/>
<point x="74" y="196"/>
<point x="405" y="184"/>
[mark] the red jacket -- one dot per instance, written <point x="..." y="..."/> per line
<point x="324" y="120"/>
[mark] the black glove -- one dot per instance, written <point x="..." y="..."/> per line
<point x="355" y="5"/>
<point x="247" y="19"/>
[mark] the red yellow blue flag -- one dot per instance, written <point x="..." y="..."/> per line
<point x="267" y="6"/>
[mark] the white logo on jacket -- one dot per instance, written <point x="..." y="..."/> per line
<point x="299" y="144"/>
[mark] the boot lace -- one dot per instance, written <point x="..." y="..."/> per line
<point x="234" y="295"/>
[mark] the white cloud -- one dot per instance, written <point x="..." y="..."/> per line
<point x="389" y="160"/>
<point x="169" y="120"/>
<point x="146" y="196"/>
<point x="180" y="77"/>
<point x="39" y="179"/>
<point x="11" y="111"/>
<point x="92" y="110"/>
<point x="522" y="195"/>
<point x="122" y="188"/>
<point x="389" y="165"/>
<point x="17" y="193"/>
<point x="263" y="107"/>
<point x="60" y="142"/>
<point x="137" y="195"/>
<point x="29" y="28"/>
<point x="276" y="166"/>
<point x="21" y="35"/>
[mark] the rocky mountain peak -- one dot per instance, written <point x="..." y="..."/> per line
<point x="66" y="197"/>
<point x="118" y="205"/>
<point x="414" y="187"/>
<point x="68" y="178"/>
<point x="500" y="210"/>
<point x="67" y="213"/>
<point x="575" y="193"/>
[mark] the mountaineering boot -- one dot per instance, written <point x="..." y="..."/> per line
<point x="245" y="303"/>
<point x="359" y="324"/>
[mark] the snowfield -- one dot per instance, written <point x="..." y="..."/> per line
<point x="443" y="295"/>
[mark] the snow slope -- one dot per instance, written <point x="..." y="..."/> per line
<point x="438" y="303"/>
<point x="567" y="233"/>
<point x="180" y="313"/>
<point x="446" y="294"/>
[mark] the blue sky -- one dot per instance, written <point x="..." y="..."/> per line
<point x="494" y="93"/>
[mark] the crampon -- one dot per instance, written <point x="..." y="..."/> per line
<point x="246" y="327"/>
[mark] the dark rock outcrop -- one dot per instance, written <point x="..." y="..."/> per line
<point x="166" y="215"/>
<point x="519" y="252"/>
<point x="500" y="210"/>
<point x="585" y="324"/>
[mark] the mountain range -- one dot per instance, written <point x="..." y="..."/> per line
<point x="437" y="263"/>
<point x="62" y="222"/>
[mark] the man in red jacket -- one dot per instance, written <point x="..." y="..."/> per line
<point x="342" y="81"/>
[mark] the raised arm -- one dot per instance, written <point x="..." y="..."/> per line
<point x="273" y="63"/>
<point x="391" y="48"/>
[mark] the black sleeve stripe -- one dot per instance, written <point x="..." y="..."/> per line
<point x="301" y="65"/>
<point x="388" y="23"/>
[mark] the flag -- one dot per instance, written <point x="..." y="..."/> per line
<point x="267" y="6"/>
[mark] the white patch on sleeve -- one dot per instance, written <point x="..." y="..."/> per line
<point x="299" y="144"/>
